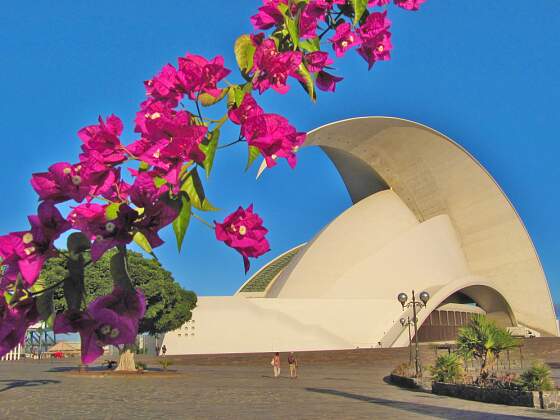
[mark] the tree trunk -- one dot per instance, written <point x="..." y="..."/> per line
<point x="126" y="360"/>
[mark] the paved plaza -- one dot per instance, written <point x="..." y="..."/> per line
<point x="45" y="389"/>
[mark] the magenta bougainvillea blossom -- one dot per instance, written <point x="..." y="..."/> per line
<point x="272" y="68"/>
<point x="243" y="231"/>
<point x="120" y="192"/>
<point x="273" y="135"/>
<point x="14" y="321"/>
<point x="26" y="252"/>
<point x="344" y="39"/>
<point x="110" y="319"/>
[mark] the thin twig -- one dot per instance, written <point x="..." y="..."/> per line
<point x="196" y="216"/>
<point x="230" y="144"/>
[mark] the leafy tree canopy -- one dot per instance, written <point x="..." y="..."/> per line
<point x="168" y="305"/>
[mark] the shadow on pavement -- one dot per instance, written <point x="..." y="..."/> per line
<point x="429" y="410"/>
<point x="17" y="383"/>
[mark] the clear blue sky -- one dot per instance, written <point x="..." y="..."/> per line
<point x="484" y="73"/>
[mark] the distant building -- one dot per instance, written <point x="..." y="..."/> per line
<point x="425" y="216"/>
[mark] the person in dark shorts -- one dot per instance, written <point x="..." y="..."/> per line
<point x="293" y="363"/>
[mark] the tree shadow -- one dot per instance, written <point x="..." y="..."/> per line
<point x="429" y="410"/>
<point x="17" y="383"/>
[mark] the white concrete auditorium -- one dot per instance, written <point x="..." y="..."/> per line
<point x="425" y="216"/>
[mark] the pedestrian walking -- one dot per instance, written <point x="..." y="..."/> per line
<point x="275" y="362"/>
<point x="293" y="363"/>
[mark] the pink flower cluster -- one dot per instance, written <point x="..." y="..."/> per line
<point x="372" y="38"/>
<point x="111" y="319"/>
<point x="243" y="231"/>
<point x="14" y="322"/>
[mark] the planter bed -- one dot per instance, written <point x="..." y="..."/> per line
<point x="497" y="396"/>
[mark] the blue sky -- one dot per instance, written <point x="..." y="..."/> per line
<point x="484" y="73"/>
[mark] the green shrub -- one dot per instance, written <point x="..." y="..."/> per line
<point x="484" y="341"/>
<point x="141" y="365"/>
<point x="404" y="369"/>
<point x="448" y="368"/>
<point x="165" y="363"/>
<point x="537" y="378"/>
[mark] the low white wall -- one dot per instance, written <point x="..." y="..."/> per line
<point x="238" y="325"/>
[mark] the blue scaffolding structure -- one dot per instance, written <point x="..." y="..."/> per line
<point x="38" y="339"/>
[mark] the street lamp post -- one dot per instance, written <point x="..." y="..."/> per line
<point x="403" y="300"/>
<point x="406" y="321"/>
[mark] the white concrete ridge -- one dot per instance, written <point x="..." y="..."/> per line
<point x="426" y="216"/>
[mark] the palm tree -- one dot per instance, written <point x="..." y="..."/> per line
<point x="482" y="339"/>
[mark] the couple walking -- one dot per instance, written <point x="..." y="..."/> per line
<point x="292" y="363"/>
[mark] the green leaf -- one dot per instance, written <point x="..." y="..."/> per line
<point x="237" y="93"/>
<point x="292" y="27"/>
<point x="210" y="150"/>
<point x="244" y="50"/>
<point x="310" y="45"/>
<point x="253" y="153"/>
<point x="45" y="304"/>
<point x="112" y="211"/>
<point x="194" y="189"/>
<point x="307" y="83"/>
<point x="8" y="297"/>
<point x="359" y="7"/>
<point x="291" y="23"/>
<point x="181" y="223"/>
<point x="158" y="181"/>
<point x="208" y="100"/>
<point x="142" y="242"/>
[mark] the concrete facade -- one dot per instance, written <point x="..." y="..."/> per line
<point x="425" y="216"/>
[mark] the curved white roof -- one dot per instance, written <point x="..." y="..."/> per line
<point x="433" y="176"/>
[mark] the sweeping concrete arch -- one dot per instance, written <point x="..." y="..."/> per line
<point x="435" y="176"/>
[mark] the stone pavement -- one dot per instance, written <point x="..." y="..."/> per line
<point x="45" y="389"/>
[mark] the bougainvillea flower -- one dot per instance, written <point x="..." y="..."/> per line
<point x="29" y="250"/>
<point x="248" y="108"/>
<point x="243" y="231"/>
<point x="267" y="16"/>
<point x="312" y="13"/>
<point x="409" y="4"/>
<point x="376" y="49"/>
<point x="317" y="60"/>
<point x="272" y="68"/>
<point x="344" y="39"/>
<point x="96" y="330"/>
<point x="110" y="319"/>
<point x="21" y="257"/>
<point x="327" y="82"/>
<point x="92" y="220"/>
<point x="376" y="39"/>
<point x="198" y="75"/>
<point x="14" y="322"/>
<point x="163" y="86"/>
<point x="103" y="139"/>
<point x="168" y="155"/>
<point x="374" y="24"/>
<point x="157" y="213"/>
<point x="150" y="111"/>
<point x="128" y="304"/>
<point x="95" y="173"/>
<point x="273" y="135"/>
<point x="61" y="183"/>
<point x="48" y="224"/>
